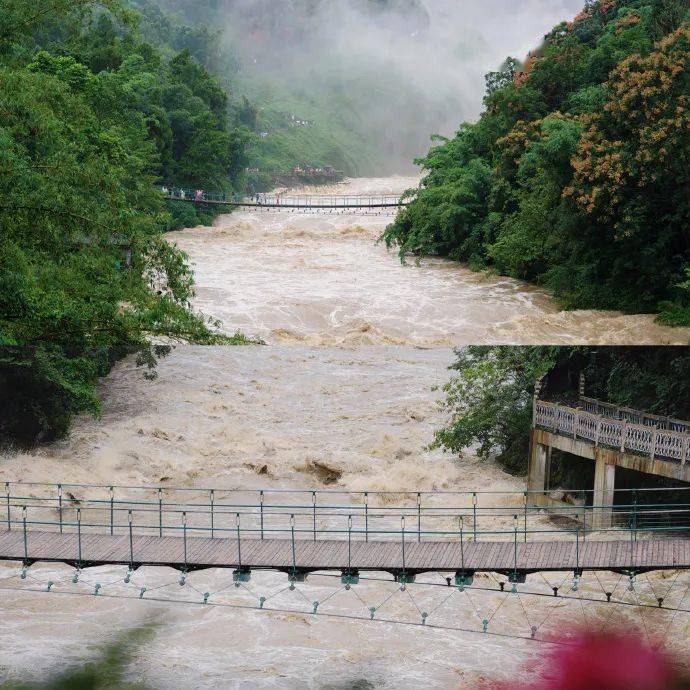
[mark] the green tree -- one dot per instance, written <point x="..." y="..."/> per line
<point x="576" y="174"/>
<point x="85" y="275"/>
<point x="489" y="398"/>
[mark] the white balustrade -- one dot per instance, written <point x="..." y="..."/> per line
<point x="610" y="427"/>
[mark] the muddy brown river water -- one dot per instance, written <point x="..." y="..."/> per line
<point x="322" y="279"/>
<point x="356" y="345"/>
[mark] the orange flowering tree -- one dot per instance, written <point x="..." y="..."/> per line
<point x="632" y="162"/>
<point x="576" y="175"/>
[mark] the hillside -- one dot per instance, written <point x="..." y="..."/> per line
<point x="371" y="77"/>
<point x="576" y="174"/>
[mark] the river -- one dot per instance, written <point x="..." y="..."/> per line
<point x="344" y="393"/>
<point x="322" y="279"/>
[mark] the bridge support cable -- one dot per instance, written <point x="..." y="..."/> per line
<point x="423" y="603"/>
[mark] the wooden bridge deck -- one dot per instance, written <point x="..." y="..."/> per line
<point x="276" y="554"/>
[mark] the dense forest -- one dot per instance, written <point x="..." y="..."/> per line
<point x="489" y="398"/>
<point x="576" y="175"/>
<point x="92" y="117"/>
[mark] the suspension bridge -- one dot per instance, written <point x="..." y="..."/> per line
<point x="433" y="534"/>
<point x="452" y="560"/>
<point x="287" y="201"/>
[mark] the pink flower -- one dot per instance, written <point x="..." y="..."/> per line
<point x="598" y="661"/>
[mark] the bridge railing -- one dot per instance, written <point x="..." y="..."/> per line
<point x="263" y="514"/>
<point x="633" y="416"/>
<point x="179" y="194"/>
<point x="330" y="201"/>
<point x="640" y="438"/>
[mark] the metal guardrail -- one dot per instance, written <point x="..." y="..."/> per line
<point x="332" y="514"/>
<point x="619" y="433"/>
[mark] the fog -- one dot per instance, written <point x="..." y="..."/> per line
<point x="392" y="72"/>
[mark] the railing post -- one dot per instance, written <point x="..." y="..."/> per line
<point x="313" y="506"/>
<point x="515" y="548"/>
<point x="294" y="554"/>
<point x="474" y="514"/>
<point x="349" y="543"/>
<point x="239" y="544"/>
<point x="632" y="550"/>
<point x="112" y="509"/>
<point x="462" y="546"/>
<point x="655" y="437"/>
<point x="212" y="497"/>
<point x="9" y="510"/>
<point x="402" y="541"/>
<point x="59" y="487"/>
<point x="525" y="500"/>
<point x="624" y="435"/>
<point x="26" y="537"/>
<point x="419" y="516"/>
<point x="261" y="512"/>
<point x="78" y="538"/>
<point x="131" y="539"/>
<point x="366" y="516"/>
<point x="160" y="512"/>
<point x="576" y="422"/>
<point x="184" y="537"/>
<point x="598" y="436"/>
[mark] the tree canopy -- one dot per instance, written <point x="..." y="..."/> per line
<point x="576" y="175"/>
<point x="489" y="398"/>
<point x="91" y="120"/>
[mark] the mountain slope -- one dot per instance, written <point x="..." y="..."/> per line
<point x="576" y="174"/>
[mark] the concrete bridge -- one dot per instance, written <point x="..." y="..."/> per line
<point x="611" y="436"/>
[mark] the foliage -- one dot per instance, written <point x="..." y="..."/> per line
<point x="489" y="399"/>
<point x="576" y="175"/>
<point x="107" y="671"/>
<point x="90" y="119"/>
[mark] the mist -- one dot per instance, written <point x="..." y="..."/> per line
<point x="389" y="72"/>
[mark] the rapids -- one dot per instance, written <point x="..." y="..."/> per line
<point x="357" y="346"/>
<point x="322" y="279"/>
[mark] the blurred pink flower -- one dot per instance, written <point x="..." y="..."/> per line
<point x="599" y="661"/>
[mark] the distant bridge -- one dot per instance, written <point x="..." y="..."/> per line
<point x="455" y="532"/>
<point x="286" y="201"/>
